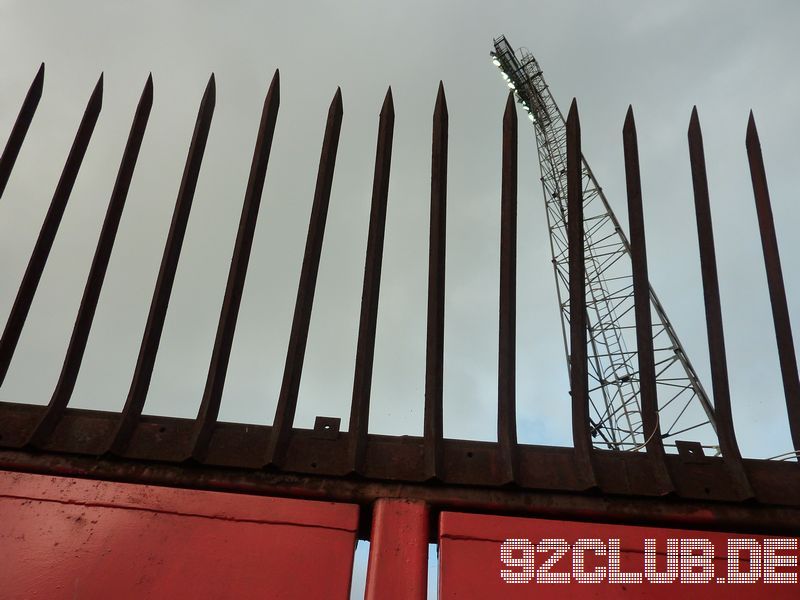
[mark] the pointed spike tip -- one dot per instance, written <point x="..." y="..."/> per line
<point x="510" y="113"/>
<point x="147" y="91"/>
<point x="388" y="103"/>
<point x="694" y="123"/>
<point x="752" y="132"/>
<point x="440" y="107"/>
<point x="210" y="94"/>
<point x="572" y="116"/>
<point x="630" y="123"/>
<point x="440" y="96"/>
<point x="274" y="90"/>
<point x="573" y="107"/>
<point x="275" y="85"/>
<point x="336" y="107"/>
<point x="38" y="81"/>
<point x="97" y="94"/>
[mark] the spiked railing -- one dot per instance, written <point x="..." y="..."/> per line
<point x="355" y="465"/>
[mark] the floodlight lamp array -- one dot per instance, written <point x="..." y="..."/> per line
<point x="513" y="86"/>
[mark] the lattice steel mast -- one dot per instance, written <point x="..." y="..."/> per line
<point x="616" y="419"/>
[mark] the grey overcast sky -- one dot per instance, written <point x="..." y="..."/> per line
<point x="663" y="57"/>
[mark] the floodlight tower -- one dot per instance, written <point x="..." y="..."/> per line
<point x="615" y="412"/>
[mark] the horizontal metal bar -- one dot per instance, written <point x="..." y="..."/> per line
<point x="697" y="513"/>
<point x="401" y="458"/>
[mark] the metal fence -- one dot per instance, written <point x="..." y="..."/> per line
<point x="354" y="465"/>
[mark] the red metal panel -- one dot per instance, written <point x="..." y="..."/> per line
<point x="472" y="563"/>
<point x="73" y="538"/>
<point x="398" y="552"/>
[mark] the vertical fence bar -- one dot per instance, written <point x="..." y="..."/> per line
<point x="290" y="386"/>
<point x="20" y="128"/>
<point x="507" y="329"/>
<point x="215" y="381"/>
<point x="47" y="234"/>
<point x="578" y="359"/>
<point x="777" y="291"/>
<point x="713" y="309"/>
<point x="641" y="298"/>
<point x="365" y="350"/>
<point x="140" y="383"/>
<point x="398" y="552"/>
<point x="434" y="359"/>
<point x="94" y="283"/>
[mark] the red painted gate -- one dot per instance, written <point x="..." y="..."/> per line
<point x="487" y="556"/>
<point x="65" y="538"/>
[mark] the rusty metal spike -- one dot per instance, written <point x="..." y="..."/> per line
<point x="506" y="372"/>
<point x="641" y="298"/>
<point x="137" y="393"/>
<point x="91" y="293"/>
<point x="434" y="360"/>
<point x="20" y="128"/>
<point x="215" y="381"/>
<point x="579" y="367"/>
<point x="293" y="370"/>
<point x="47" y="234"/>
<point x="365" y="349"/>
<point x="777" y="291"/>
<point x="713" y="310"/>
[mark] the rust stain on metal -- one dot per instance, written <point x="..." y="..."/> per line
<point x="287" y="401"/>
<point x="365" y="348"/>
<point x="716" y="338"/>
<point x="777" y="290"/>
<point x="97" y="272"/>
<point x="579" y="366"/>
<point x="641" y="292"/>
<point x="507" y="355"/>
<point x="212" y="396"/>
<point x="434" y="348"/>
<point x="166" y="274"/>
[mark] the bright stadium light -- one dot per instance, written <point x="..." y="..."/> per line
<point x="503" y="73"/>
<point x="530" y="116"/>
<point x="511" y="85"/>
<point x="495" y="62"/>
